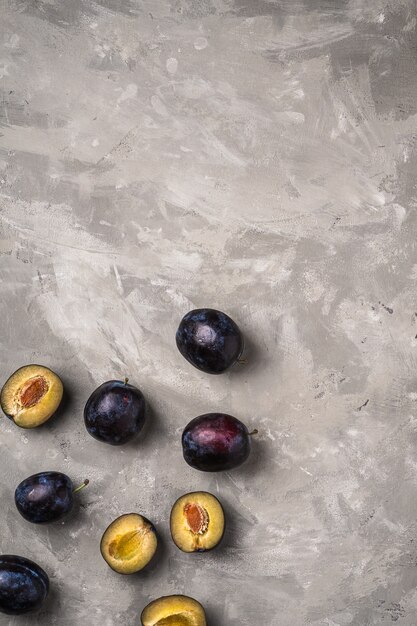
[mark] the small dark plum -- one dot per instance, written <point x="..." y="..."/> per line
<point x="24" y="585"/>
<point x="115" y="412"/>
<point x="210" y="340"/>
<point x="45" y="497"/>
<point x="215" y="441"/>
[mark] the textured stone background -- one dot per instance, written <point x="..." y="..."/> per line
<point x="258" y="156"/>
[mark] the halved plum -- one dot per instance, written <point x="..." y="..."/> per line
<point x="129" y="543"/>
<point x="31" y="395"/>
<point x="174" y="611"/>
<point x="197" y="522"/>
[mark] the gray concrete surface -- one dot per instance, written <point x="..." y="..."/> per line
<point x="258" y="156"/>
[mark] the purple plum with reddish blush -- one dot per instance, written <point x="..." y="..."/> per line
<point x="215" y="442"/>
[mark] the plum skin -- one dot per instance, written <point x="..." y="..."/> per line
<point x="210" y="340"/>
<point x="215" y="442"/>
<point x="115" y="412"/>
<point x="24" y="585"/>
<point x="44" y="497"/>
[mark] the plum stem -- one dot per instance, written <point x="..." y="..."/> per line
<point x="254" y="432"/>
<point x="84" y="484"/>
<point x="126" y="380"/>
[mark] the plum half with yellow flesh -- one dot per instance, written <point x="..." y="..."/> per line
<point x="129" y="543"/>
<point x="31" y="395"/>
<point x="197" y="522"/>
<point x="174" y="611"/>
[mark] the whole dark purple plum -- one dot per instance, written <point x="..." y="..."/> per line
<point x="210" y="340"/>
<point x="215" y="441"/>
<point x="115" y="412"/>
<point x="24" y="585"/>
<point x="45" y="497"/>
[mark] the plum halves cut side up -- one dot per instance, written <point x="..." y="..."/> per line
<point x="31" y="395"/>
<point x="174" y="611"/>
<point x="197" y="522"/>
<point x="129" y="543"/>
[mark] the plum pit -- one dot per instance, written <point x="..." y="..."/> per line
<point x="196" y="517"/>
<point x="32" y="391"/>
<point x="31" y="395"/>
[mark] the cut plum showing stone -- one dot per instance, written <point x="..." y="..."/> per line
<point x="197" y="522"/>
<point x="31" y="395"/>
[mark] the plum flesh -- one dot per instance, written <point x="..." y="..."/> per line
<point x="210" y="340"/>
<point x="24" y="585"/>
<point x="197" y="522"/>
<point x="175" y="611"/>
<point x="31" y="395"/>
<point x="215" y="441"/>
<point x="129" y="543"/>
<point x="115" y="412"/>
